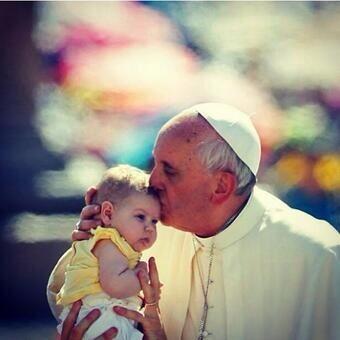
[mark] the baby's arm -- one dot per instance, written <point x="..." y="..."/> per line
<point x="115" y="277"/>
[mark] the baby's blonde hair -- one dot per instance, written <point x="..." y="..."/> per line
<point x="120" y="182"/>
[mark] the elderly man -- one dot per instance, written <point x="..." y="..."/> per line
<point x="238" y="262"/>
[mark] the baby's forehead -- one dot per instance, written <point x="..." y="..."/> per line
<point x="152" y="200"/>
<point x="142" y="198"/>
<point x="145" y="203"/>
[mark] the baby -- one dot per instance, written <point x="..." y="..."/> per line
<point x="102" y="271"/>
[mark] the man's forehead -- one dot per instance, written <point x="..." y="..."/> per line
<point x="179" y="138"/>
<point x="183" y="126"/>
<point x="183" y="131"/>
<point x="173" y="143"/>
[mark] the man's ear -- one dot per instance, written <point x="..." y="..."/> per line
<point x="106" y="213"/>
<point x="224" y="187"/>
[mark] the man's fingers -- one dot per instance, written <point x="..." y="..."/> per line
<point x="151" y="295"/>
<point x="79" y="330"/>
<point x="109" y="334"/>
<point x="78" y="235"/>
<point x="87" y="225"/>
<point x="91" y="191"/>
<point x="142" y="266"/>
<point x="70" y="320"/>
<point x="130" y="314"/>
<point x="150" y="321"/>
<point x="150" y="284"/>
<point x="89" y="212"/>
<point x="153" y="273"/>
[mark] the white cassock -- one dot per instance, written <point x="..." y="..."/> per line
<point x="275" y="273"/>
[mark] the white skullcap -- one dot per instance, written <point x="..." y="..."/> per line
<point x="236" y="128"/>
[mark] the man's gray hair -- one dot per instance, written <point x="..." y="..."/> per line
<point x="215" y="154"/>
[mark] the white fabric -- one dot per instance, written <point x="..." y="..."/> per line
<point x="107" y="319"/>
<point x="236" y="128"/>
<point x="281" y="276"/>
<point x="214" y="320"/>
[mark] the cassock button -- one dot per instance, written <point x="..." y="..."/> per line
<point x="205" y="334"/>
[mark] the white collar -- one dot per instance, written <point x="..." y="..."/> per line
<point x="245" y="221"/>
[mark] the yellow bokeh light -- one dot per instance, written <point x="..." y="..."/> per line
<point x="327" y="172"/>
<point x="292" y="168"/>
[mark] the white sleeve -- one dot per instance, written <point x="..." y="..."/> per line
<point x="55" y="282"/>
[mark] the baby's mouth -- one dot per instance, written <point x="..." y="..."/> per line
<point x="145" y="240"/>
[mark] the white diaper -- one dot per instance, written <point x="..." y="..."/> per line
<point x="108" y="318"/>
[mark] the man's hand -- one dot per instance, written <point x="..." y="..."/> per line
<point x="141" y="265"/>
<point x="89" y="218"/>
<point x="72" y="332"/>
<point x="151" y="320"/>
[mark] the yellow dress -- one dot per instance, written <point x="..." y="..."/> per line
<point x="82" y="273"/>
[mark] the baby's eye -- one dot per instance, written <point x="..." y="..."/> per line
<point x="154" y="221"/>
<point x="141" y="217"/>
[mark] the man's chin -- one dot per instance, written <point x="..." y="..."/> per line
<point x="168" y="220"/>
<point x="165" y="221"/>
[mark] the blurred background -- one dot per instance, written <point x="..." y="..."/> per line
<point x="85" y="85"/>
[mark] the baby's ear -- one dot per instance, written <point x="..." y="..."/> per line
<point x="106" y="213"/>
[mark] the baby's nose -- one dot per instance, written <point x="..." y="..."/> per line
<point x="148" y="227"/>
